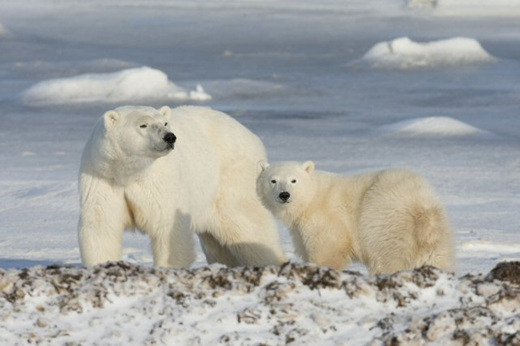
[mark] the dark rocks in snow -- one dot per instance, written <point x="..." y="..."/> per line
<point x="506" y="271"/>
<point x="293" y="303"/>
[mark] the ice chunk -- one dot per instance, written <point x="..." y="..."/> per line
<point x="405" y="53"/>
<point x="135" y="84"/>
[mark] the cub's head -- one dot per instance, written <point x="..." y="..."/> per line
<point x="134" y="131"/>
<point x="286" y="186"/>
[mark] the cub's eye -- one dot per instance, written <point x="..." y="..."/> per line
<point x="273" y="181"/>
<point x="143" y="126"/>
<point x="165" y="124"/>
<point x="293" y="181"/>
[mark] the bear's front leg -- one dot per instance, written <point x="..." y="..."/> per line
<point x="102" y="221"/>
<point x="330" y="248"/>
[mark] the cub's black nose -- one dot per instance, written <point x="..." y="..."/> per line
<point x="284" y="196"/>
<point x="170" y="138"/>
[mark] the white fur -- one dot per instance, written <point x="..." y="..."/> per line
<point x="130" y="179"/>
<point x="389" y="220"/>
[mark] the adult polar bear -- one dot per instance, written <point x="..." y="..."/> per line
<point x="131" y="179"/>
<point x="389" y="220"/>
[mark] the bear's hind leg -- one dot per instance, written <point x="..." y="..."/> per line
<point x="173" y="246"/>
<point x="240" y="224"/>
<point x="215" y="252"/>
<point x="247" y="231"/>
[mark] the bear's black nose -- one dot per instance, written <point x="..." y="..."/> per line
<point x="170" y="138"/>
<point x="284" y="196"/>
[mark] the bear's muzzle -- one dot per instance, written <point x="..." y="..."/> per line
<point x="170" y="139"/>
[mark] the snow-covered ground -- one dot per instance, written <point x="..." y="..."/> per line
<point x="432" y="86"/>
<point x="122" y="304"/>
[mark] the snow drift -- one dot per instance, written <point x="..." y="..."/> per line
<point x="404" y="53"/>
<point x="433" y="127"/>
<point x="130" y="85"/>
<point x="119" y="303"/>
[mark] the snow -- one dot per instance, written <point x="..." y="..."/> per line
<point x="405" y="53"/>
<point x="130" y="85"/>
<point x="293" y="72"/>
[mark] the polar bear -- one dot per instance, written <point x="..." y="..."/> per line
<point x="389" y="220"/>
<point x="169" y="173"/>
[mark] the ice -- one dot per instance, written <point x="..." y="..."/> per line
<point x="488" y="246"/>
<point x="405" y="53"/>
<point x="285" y="71"/>
<point x="480" y="8"/>
<point x="292" y="72"/>
<point x="131" y="85"/>
<point x="243" y="88"/>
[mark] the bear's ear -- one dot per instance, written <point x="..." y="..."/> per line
<point x="165" y="110"/>
<point x="111" y="119"/>
<point x="261" y="166"/>
<point x="308" y="167"/>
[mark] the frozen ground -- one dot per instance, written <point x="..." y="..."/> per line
<point x="122" y="304"/>
<point x="294" y="72"/>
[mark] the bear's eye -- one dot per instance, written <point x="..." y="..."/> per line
<point x="273" y="181"/>
<point x="293" y="181"/>
<point x="143" y="126"/>
<point x="165" y="124"/>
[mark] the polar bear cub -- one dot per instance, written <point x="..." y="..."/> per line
<point x="169" y="173"/>
<point x="389" y="220"/>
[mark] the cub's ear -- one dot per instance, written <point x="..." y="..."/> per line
<point x="165" y="110"/>
<point x="111" y="119"/>
<point x="308" y="167"/>
<point x="261" y="166"/>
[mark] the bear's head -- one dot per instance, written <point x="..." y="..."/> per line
<point x="286" y="187"/>
<point x="133" y="131"/>
<point x="127" y="140"/>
